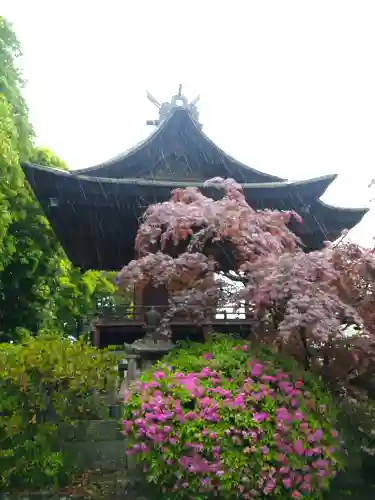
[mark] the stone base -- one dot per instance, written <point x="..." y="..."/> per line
<point x="147" y="346"/>
<point x="140" y="356"/>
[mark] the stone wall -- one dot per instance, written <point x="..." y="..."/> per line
<point x="96" y="444"/>
<point x="99" y="448"/>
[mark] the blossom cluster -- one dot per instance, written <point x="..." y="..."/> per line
<point x="238" y="429"/>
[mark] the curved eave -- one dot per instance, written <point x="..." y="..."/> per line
<point x="178" y="122"/>
<point x="345" y="210"/>
<point x="322" y="222"/>
<point x="96" y="219"/>
<point x="54" y="183"/>
<point x="341" y="217"/>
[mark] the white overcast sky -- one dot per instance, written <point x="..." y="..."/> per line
<point x="287" y="87"/>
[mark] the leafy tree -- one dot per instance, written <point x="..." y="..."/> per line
<point x="11" y="85"/>
<point x="16" y="206"/>
<point x="10" y="178"/>
<point x="78" y="296"/>
<point x="38" y="285"/>
<point x="302" y="302"/>
<point x="30" y="256"/>
<point x="44" y="156"/>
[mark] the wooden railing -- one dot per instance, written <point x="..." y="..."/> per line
<point x="121" y="313"/>
<point x="118" y="324"/>
<point x="136" y="314"/>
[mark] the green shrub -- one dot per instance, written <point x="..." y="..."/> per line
<point x="357" y="422"/>
<point x="46" y="385"/>
<point x="217" y="420"/>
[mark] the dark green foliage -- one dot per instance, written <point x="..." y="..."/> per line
<point x="357" y="481"/>
<point x="46" y="385"/>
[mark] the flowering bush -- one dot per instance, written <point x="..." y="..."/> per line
<point x="215" y="420"/>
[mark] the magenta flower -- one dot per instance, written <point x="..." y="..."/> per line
<point x="298" y="447"/>
<point x="287" y="482"/>
<point x="256" y="370"/>
<point x="260" y="417"/>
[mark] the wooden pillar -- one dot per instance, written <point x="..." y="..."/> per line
<point x="148" y="296"/>
<point x="95" y="334"/>
<point x="155" y="296"/>
<point x="211" y="307"/>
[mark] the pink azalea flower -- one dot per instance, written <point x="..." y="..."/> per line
<point x="296" y="494"/>
<point x="260" y="417"/>
<point x="256" y="370"/>
<point x="287" y="482"/>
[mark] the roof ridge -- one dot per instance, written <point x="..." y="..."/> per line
<point x="159" y="130"/>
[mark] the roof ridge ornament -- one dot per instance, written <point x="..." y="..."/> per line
<point x="177" y="101"/>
